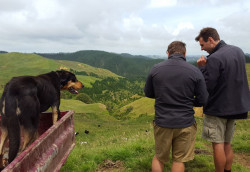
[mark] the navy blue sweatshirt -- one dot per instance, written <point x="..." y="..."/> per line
<point x="226" y="81"/>
<point x="177" y="87"/>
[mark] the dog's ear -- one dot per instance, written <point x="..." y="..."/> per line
<point x="63" y="77"/>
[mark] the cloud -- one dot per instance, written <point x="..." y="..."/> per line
<point x="183" y="26"/>
<point x="139" y="27"/>
<point x="233" y="29"/>
<point x="162" y="3"/>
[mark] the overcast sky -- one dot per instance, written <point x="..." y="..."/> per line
<point x="138" y="27"/>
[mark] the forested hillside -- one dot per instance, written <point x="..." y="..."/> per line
<point x="122" y="64"/>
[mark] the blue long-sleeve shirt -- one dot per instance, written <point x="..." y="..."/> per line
<point x="226" y="81"/>
<point x="177" y="87"/>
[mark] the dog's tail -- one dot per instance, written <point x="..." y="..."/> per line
<point x="13" y="126"/>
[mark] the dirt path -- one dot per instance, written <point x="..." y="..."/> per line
<point x="243" y="159"/>
<point x="110" y="166"/>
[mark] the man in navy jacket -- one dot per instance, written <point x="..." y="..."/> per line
<point x="229" y="96"/>
<point x="177" y="87"/>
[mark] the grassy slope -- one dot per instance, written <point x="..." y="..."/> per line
<point x="131" y="143"/>
<point x="146" y="106"/>
<point x="80" y="107"/>
<point x="248" y="73"/>
<point x="103" y="73"/>
<point x="17" y="64"/>
<point x="143" y="105"/>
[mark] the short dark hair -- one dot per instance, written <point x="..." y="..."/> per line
<point x="207" y="32"/>
<point x="177" y="47"/>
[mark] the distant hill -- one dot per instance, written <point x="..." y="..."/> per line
<point x="122" y="64"/>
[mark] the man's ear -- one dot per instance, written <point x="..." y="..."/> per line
<point x="168" y="53"/>
<point x="213" y="43"/>
<point x="185" y="54"/>
<point x="211" y="39"/>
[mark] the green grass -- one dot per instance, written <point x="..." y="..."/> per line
<point x="248" y="73"/>
<point x="131" y="142"/>
<point x="114" y="140"/>
<point x="241" y="141"/>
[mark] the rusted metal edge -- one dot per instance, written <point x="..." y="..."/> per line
<point x="64" y="158"/>
<point x="16" y="162"/>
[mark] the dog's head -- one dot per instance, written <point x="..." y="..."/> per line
<point x="69" y="82"/>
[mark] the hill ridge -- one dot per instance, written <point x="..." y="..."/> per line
<point x="125" y="65"/>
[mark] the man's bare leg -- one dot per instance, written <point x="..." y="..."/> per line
<point x="219" y="157"/>
<point x="178" y="167"/>
<point x="229" y="155"/>
<point x="157" y="166"/>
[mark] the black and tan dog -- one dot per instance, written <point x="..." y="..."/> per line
<point x="24" y="98"/>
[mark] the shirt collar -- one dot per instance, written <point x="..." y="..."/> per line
<point x="177" y="56"/>
<point x="218" y="46"/>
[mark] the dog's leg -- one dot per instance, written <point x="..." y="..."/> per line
<point x="4" y="134"/>
<point x="29" y="137"/>
<point x="55" y="114"/>
<point x="30" y="122"/>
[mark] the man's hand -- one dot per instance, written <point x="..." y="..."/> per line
<point x="201" y="61"/>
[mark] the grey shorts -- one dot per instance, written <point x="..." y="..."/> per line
<point x="218" y="130"/>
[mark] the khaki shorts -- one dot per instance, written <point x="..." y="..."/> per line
<point x="182" y="141"/>
<point x="218" y="130"/>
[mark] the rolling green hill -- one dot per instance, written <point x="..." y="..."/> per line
<point x="80" y="107"/>
<point x="102" y="73"/>
<point x="121" y="64"/>
<point x="143" y="105"/>
<point x="17" y="64"/>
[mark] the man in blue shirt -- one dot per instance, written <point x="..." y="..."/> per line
<point x="177" y="87"/>
<point x="229" y="96"/>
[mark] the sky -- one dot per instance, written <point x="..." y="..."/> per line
<point x="137" y="27"/>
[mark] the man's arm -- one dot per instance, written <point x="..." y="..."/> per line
<point x="211" y="71"/>
<point x="149" y="88"/>
<point x="201" y="61"/>
<point x="201" y="94"/>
